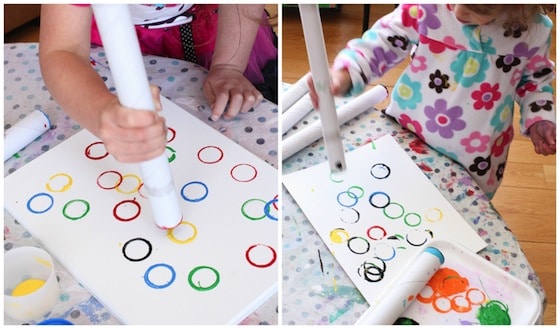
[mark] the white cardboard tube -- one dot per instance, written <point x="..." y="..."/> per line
<point x="296" y="112"/>
<point x="294" y="93"/>
<point x="353" y="108"/>
<point x="317" y="55"/>
<point x="133" y="90"/>
<point x="398" y="295"/>
<point x="24" y="132"/>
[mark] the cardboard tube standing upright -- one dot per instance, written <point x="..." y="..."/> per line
<point x="315" y="44"/>
<point x="133" y="90"/>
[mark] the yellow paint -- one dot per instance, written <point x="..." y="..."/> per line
<point x="339" y="235"/>
<point x="135" y="189"/>
<point x="44" y="262"/>
<point x="28" y="286"/>
<point x="64" y="188"/>
<point x="171" y="235"/>
<point x="335" y="287"/>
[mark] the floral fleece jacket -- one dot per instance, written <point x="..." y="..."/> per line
<point x="458" y="92"/>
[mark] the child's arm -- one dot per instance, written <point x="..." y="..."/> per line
<point x="237" y="29"/>
<point x="382" y="47"/>
<point x="129" y="135"/>
<point x="340" y="83"/>
<point x="535" y="94"/>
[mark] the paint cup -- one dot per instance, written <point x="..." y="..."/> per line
<point x="30" y="284"/>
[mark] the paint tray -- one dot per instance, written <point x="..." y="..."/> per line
<point x="471" y="291"/>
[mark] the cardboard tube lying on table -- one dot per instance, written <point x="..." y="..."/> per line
<point x="24" y="132"/>
<point x="353" y="108"/>
<point x="294" y="93"/>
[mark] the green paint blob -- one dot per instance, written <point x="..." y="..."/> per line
<point x="494" y="312"/>
<point x="406" y="321"/>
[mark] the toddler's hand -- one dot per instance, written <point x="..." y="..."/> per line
<point x="340" y="84"/>
<point x="133" y="135"/>
<point x="543" y="136"/>
<point x="227" y="87"/>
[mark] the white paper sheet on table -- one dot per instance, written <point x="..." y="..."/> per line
<point x="214" y="268"/>
<point x="377" y="214"/>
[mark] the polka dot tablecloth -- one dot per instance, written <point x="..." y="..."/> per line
<point x="315" y="289"/>
<point x="181" y="82"/>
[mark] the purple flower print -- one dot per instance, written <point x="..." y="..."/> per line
<point x="428" y="18"/>
<point x="522" y="50"/>
<point x="444" y="120"/>
<point x="381" y="60"/>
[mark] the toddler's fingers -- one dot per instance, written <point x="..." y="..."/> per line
<point x="234" y="105"/>
<point x="219" y="106"/>
<point x="250" y="100"/>
<point x="129" y="118"/>
<point x="155" y="95"/>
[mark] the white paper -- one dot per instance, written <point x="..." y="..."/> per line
<point x="377" y="213"/>
<point x="231" y="218"/>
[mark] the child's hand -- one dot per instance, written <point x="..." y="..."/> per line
<point x="543" y="136"/>
<point x="226" y="87"/>
<point x="340" y="84"/>
<point x="133" y="135"/>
